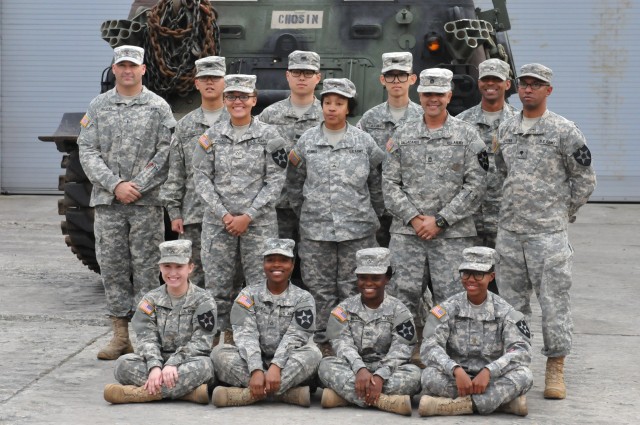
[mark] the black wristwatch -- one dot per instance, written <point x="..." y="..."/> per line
<point x="441" y="222"/>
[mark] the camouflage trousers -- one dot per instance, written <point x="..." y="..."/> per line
<point x="487" y="239"/>
<point x="541" y="262"/>
<point x="411" y="257"/>
<point x="232" y="369"/>
<point x="288" y="223"/>
<point x="328" y="272"/>
<point x="131" y="369"/>
<point x="336" y="373"/>
<point x="193" y="233"/>
<point x="220" y="255"/>
<point x="501" y="389"/>
<point x="127" y="239"/>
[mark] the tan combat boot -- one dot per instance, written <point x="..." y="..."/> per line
<point x="119" y="394"/>
<point x="554" y="387"/>
<point x="326" y="349"/>
<point x="415" y="356"/>
<point x="120" y="343"/>
<point x="200" y="395"/>
<point x="331" y="399"/>
<point x="443" y="406"/>
<point x="231" y="396"/>
<point x="400" y="404"/>
<point x="517" y="406"/>
<point x="300" y="396"/>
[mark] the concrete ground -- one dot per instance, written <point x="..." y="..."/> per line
<point x="52" y="322"/>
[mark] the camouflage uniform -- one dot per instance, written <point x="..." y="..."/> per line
<point x="335" y="192"/>
<point x="236" y="177"/>
<point x="270" y="329"/>
<point x="548" y="177"/>
<point x="172" y="335"/>
<point x="126" y="141"/>
<point x="493" y="336"/>
<point x="380" y="340"/>
<point x="179" y="191"/>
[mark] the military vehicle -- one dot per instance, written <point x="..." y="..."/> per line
<point x="256" y="36"/>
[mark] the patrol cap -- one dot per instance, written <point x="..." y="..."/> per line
<point x="279" y="246"/>
<point x="133" y="54"/>
<point x="494" y="68"/>
<point x="373" y="261"/>
<point x="239" y="82"/>
<point x="299" y="59"/>
<point x="211" y="65"/>
<point x="435" y="80"/>
<point x="536" y="70"/>
<point x="178" y="252"/>
<point x="342" y="86"/>
<point x="478" y="258"/>
<point x="397" y="61"/>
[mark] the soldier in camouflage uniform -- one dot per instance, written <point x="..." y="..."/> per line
<point x="433" y="180"/>
<point x="548" y="177"/>
<point x="273" y="322"/>
<point x="175" y="325"/>
<point x="239" y="170"/>
<point x="333" y="184"/>
<point x="124" y="147"/>
<point x="183" y="204"/>
<point x="476" y="347"/>
<point x="373" y="335"/>
<point x="382" y="120"/>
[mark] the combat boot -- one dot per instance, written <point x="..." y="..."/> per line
<point x="326" y="349"/>
<point x="554" y="387"/>
<point x="120" y="343"/>
<point x="300" y="396"/>
<point x="331" y="399"/>
<point x="231" y="396"/>
<point x="200" y="395"/>
<point x="415" y="356"/>
<point x="228" y="337"/>
<point x="119" y="394"/>
<point x="400" y="404"/>
<point x="443" y="406"/>
<point x="517" y="406"/>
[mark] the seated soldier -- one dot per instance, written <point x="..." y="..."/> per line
<point x="476" y="348"/>
<point x="175" y="325"/>
<point x="272" y="324"/>
<point x="373" y="335"/>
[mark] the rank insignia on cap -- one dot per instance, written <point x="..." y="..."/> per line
<point x="84" y="122"/>
<point x="146" y="307"/>
<point x="294" y="158"/>
<point x="204" y="142"/>
<point x="438" y="311"/>
<point x="207" y="321"/>
<point x="339" y="314"/>
<point x="304" y="318"/>
<point x="244" y="301"/>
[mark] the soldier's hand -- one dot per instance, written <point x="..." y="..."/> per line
<point x="481" y="381"/>
<point x="425" y="226"/>
<point x="238" y="225"/>
<point x="363" y="382"/>
<point x="169" y="376"/>
<point x="463" y="382"/>
<point x="374" y="390"/>
<point x="127" y="192"/>
<point x="177" y="225"/>
<point x="272" y="379"/>
<point x="154" y="381"/>
<point x="256" y="385"/>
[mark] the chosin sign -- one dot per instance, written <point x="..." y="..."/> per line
<point x="285" y="19"/>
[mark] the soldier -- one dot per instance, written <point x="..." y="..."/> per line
<point x="272" y="325"/>
<point x="548" y="177"/>
<point x="382" y="120"/>
<point x="333" y="184"/>
<point x="493" y="83"/>
<point x="239" y="170"/>
<point x="124" y="145"/>
<point x="373" y="335"/>
<point x="476" y="347"/>
<point x="175" y="325"/>
<point x="433" y="181"/>
<point x="183" y="204"/>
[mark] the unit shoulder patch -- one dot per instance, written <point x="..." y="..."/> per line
<point x="207" y="321"/>
<point x="483" y="160"/>
<point x="280" y="157"/>
<point x="583" y="156"/>
<point x="304" y="318"/>
<point x="406" y="330"/>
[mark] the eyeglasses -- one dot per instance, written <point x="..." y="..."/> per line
<point x="534" y="86"/>
<point x="213" y="78"/>
<point x="308" y="73"/>
<point x="233" y="98"/>
<point x="402" y="78"/>
<point x="477" y="275"/>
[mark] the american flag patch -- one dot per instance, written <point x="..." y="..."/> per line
<point x="204" y="142"/>
<point x="150" y="165"/>
<point x="339" y="314"/>
<point x="244" y="301"/>
<point x="294" y="158"/>
<point x="146" y="307"/>
<point x="84" y="122"/>
<point x="390" y="145"/>
<point x="438" y="311"/>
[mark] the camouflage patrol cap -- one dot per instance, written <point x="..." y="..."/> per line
<point x="178" y="252"/>
<point x="494" y="68"/>
<point x="342" y="86"/>
<point x="373" y="261"/>
<point x="299" y="59"/>
<point x="211" y="65"/>
<point x="397" y="61"/>
<point x="279" y="246"/>
<point x="478" y="258"/>
<point x="240" y="82"/>
<point x="536" y="70"/>
<point x="435" y="80"/>
<point x="133" y="54"/>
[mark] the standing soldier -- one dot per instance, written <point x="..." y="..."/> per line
<point x="382" y="120"/>
<point x="548" y="177"/>
<point x="124" y="147"/>
<point x="179" y="192"/>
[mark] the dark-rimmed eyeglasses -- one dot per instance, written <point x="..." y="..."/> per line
<point x="402" y="78"/>
<point x="241" y="97"/>
<point x="308" y="73"/>
<point x="213" y="78"/>
<point x="534" y="86"/>
<point x="477" y="275"/>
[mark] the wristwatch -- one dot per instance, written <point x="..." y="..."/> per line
<point x="441" y="222"/>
